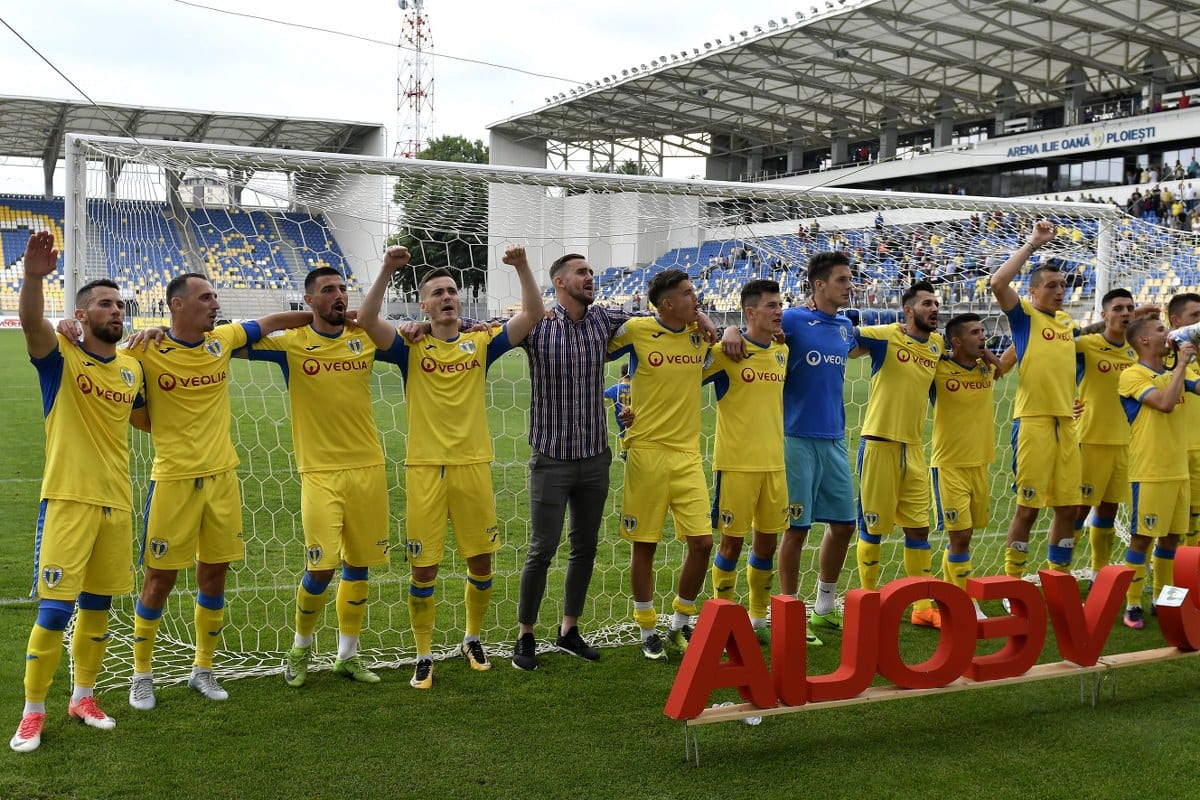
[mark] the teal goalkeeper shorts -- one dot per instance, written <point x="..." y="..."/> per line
<point x="818" y="481"/>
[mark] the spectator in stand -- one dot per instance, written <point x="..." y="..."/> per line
<point x="1189" y="196"/>
<point x="1193" y="169"/>
<point x="1177" y="172"/>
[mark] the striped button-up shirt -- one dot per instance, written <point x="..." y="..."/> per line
<point x="566" y="370"/>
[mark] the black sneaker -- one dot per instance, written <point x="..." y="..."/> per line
<point x="525" y="653"/>
<point x="571" y="642"/>
<point x="652" y="648"/>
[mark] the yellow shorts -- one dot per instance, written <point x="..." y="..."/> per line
<point x="1194" y="473"/>
<point x="82" y="548"/>
<point x="345" y="516"/>
<point x="893" y="486"/>
<point x="1046" y="464"/>
<point x="745" y="500"/>
<point x="1105" y="473"/>
<point x="657" y="480"/>
<point x="1159" y="508"/>
<point x="193" y="519"/>
<point x="460" y="493"/>
<point x="961" y="497"/>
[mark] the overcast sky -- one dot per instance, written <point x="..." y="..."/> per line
<point x="166" y="53"/>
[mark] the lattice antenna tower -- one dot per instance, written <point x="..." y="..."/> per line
<point x="414" y="80"/>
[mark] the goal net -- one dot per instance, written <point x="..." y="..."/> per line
<point x="255" y="221"/>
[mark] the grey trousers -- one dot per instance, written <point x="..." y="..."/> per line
<point x="582" y="485"/>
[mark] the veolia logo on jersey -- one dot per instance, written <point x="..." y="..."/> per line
<point x="1109" y="366"/>
<point x="429" y="365"/>
<point x="657" y="359"/>
<point x="904" y="356"/>
<point x="311" y="366"/>
<point x="1064" y="336"/>
<point x="814" y="358"/>
<point x="954" y="385"/>
<point x="168" y="382"/>
<point x="87" y="387"/>
<point x="750" y="376"/>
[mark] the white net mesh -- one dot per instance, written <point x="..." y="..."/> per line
<point x="257" y="221"/>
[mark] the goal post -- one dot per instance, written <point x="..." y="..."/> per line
<point x="256" y="220"/>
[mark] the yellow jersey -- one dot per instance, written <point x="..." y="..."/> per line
<point x="749" y="407"/>
<point x="1098" y="367"/>
<point x="1045" y="345"/>
<point x="963" y="425"/>
<point x="1157" y="444"/>
<point x="902" y="370"/>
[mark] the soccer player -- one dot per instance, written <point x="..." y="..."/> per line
<point x="663" y="471"/>
<point x="343" y="500"/>
<point x="964" y="442"/>
<point x="1183" y="310"/>
<point x="618" y="393"/>
<point x="1103" y="429"/>
<point x="194" y="506"/>
<point x="1045" y="441"/>
<point x="90" y="395"/>
<point x="892" y="476"/>
<point x="750" y="483"/>
<point x="1158" y="461"/>
<point x="448" y="465"/>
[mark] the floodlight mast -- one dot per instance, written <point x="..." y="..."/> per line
<point x="414" y="80"/>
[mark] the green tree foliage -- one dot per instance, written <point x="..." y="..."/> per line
<point x="444" y="222"/>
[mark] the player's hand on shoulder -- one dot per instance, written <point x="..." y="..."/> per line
<point x="485" y="327"/>
<point x="412" y="332"/>
<point x="732" y="343"/>
<point x="146" y="338"/>
<point x="70" y="328"/>
<point x="514" y="255"/>
<point x="1147" y="311"/>
<point x="708" y="331"/>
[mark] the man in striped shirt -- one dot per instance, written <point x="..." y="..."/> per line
<point x="568" y="436"/>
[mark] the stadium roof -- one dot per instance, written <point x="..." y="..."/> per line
<point x="785" y="81"/>
<point x="34" y="127"/>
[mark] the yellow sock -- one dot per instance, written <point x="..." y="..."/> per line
<point x="351" y="606"/>
<point x="1101" y="539"/>
<point x="680" y="607"/>
<point x="308" y="609"/>
<point x="956" y="568"/>
<point x="144" y="632"/>
<point x="758" y="576"/>
<point x="210" y="618"/>
<point x="868" y="553"/>
<point x="724" y="581"/>
<point x="1015" y="558"/>
<point x="1133" y="597"/>
<point x="42" y="655"/>
<point x="646" y="618"/>
<point x="88" y="643"/>
<point x="1163" y="562"/>
<point x="421" y="608"/>
<point x="478" y="596"/>
<point x="918" y="563"/>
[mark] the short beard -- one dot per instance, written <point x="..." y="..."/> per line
<point x="582" y="298"/>
<point x="334" y="317"/>
<point x="105" y="335"/>
<point x="923" y="326"/>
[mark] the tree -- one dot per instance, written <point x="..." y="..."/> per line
<point x="444" y="222"/>
<point x="627" y="167"/>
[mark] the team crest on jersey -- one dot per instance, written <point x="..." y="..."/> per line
<point x="842" y="331"/>
<point x="213" y="346"/>
<point x="158" y="548"/>
<point x="1086" y="489"/>
<point x="871" y="519"/>
<point x="726" y="519"/>
<point x="467" y="346"/>
<point x="951" y="515"/>
<point x="52" y="576"/>
<point x="1027" y="493"/>
<point x="695" y="339"/>
<point x="1130" y="353"/>
<point x="127" y="376"/>
<point x="796" y="510"/>
<point x="314" y="554"/>
<point x="933" y="348"/>
<point x="355" y="346"/>
<point x="780" y="360"/>
<point x="629" y="523"/>
<point x="1151" y="520"/>
<point x="412" y="548"/>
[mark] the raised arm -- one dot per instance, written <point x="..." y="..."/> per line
<point x="41" y="259"/>
<point x="370" y="317"/>
<point x="532" y="307"/>
<point x="1167" y="398"/>
<point x="1002" y="278"/>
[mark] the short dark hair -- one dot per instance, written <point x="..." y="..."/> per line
<point x="821" y="264"/>
<point x="320" y="272"/>
<point x="438" y="272"/>
<point x="84" y="295"/>
<point x="911" y="292"/>
<point x="1135" y="328"/>
<point x="1038" y="275"/>
<point x="562" y="261"/>
<point x="178" y="285"/>
<point x="956" y="324"/>
<point x="664" y="282"/>
<point x="1106" y="301"/>
<point x="753" y="291"/>
<point x="1175" y="307"/>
